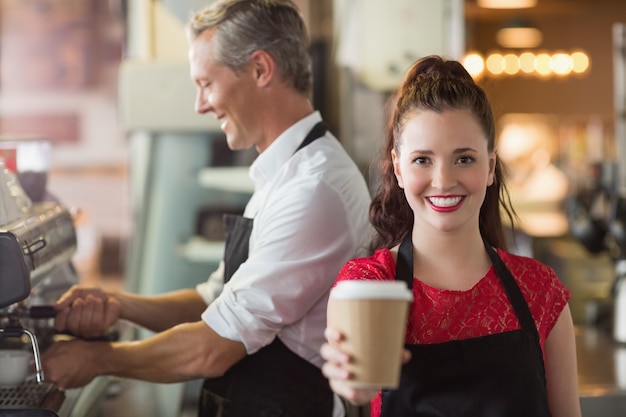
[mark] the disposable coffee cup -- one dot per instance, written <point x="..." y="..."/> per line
<point x="372" y="317"/>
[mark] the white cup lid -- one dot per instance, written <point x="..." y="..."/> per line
<point x="371" y="289"/>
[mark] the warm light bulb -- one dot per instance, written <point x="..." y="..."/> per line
<point x="507" y="4"/>
<point x="580" y="62"/>
<point x="543" y="64"/>
<point x="474" y="64"/>
<point x="511" y="64"/>
<point x="527" y="62"/>
<point x="495" y="64"/>
<point x="561" y="64"/>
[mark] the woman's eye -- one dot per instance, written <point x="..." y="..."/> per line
<point x="466" y="160"/>
<point x="420" y="160"/>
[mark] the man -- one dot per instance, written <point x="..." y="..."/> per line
<point x="257" y="343"/>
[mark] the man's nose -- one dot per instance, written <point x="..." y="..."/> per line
<point x="202" y="105"/>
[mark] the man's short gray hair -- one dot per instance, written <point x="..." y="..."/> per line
<point x="244" y="26"/>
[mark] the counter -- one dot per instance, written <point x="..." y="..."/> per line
<point x="601" y="373"/>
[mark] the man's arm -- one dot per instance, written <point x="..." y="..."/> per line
<point x="184" y="352"/>
<point x="161" y="312"/>
<point x="89" y="312"/>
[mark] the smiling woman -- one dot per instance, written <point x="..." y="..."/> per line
<point x="438" y="213"/>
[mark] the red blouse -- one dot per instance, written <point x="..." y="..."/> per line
<point x="439" y="315"/>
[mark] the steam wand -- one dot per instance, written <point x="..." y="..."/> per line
<point x="18" y="332"/>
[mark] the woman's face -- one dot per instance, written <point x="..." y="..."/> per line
<point x="444" y="167"/>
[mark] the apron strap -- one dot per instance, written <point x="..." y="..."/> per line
<point x="318" y="131"/>
<point x="404" y="272"/>
<point x="237" y="242"/>
<point x="238" y="228"/>
<point x="404" y="263"/>
<point x="520" y="306"/>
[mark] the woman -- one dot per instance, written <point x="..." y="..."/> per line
<point x="489" y="333"/>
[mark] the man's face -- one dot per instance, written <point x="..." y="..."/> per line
<point x="225" y="93"/>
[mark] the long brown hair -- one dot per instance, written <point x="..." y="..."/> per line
<point x="436" y="84"/>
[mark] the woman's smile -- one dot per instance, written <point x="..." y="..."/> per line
<point x="445" y="203"/>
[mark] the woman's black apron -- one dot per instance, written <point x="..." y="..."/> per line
<point x="273" y="382"/>
<point x="499" y="375"/>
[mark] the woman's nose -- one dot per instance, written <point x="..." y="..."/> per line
<point x="443" y="177"/>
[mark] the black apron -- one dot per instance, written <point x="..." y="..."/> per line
<point x="499" y="375"/>
<point x="273" y="382"/>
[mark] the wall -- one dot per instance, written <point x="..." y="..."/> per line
<point x="587" y="27"/>
<point x="58" y="81"/>
<point x="580" y="112"/>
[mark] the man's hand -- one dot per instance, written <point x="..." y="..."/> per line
<point x="70" y="364"/>
<point x="86" y="312"/>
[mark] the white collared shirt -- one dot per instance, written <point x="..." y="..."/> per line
<point x="310" y="213"/>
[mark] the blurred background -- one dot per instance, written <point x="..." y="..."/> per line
<point x="101" y="88"/>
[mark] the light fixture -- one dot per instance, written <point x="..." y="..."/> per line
<point x="506" y="4"/>
<point x="519" y="33"/>
<point x="529" y="64"/>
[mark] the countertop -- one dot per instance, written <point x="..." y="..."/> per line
<point x="601" y="373"/>
<point x="601" y="362"/>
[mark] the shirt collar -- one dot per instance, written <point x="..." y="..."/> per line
<point x="270" y="161"/>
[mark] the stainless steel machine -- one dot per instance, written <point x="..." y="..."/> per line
<point x="37" y="242"/>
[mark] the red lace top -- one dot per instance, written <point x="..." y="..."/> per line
<point x="438" y="315"/>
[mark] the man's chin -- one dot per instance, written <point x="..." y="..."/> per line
<point x="236" y="145"/>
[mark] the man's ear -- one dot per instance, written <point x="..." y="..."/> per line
<point x="263" y="67"/>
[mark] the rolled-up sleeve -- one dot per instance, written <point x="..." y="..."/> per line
<point x="212" y="288"/>
<point x="298" y="244"/>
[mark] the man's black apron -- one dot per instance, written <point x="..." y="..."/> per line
<point x="499" y="375"/>
<point x="273" y="382"/>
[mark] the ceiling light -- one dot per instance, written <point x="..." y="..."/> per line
<point x="506" y="4"/>
<point x="474" y="64"/>
<point x="519" y="33"/>
<point x="527" y="63"/>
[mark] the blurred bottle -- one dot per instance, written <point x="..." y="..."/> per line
<point x="29" y="159"/>
<point x="619" y="323"/>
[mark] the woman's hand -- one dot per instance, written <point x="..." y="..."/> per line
<point x="338" y="376"/>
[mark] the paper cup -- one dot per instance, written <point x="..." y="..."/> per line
<point x="15" y="366"/>
<point x="372" y="316"/>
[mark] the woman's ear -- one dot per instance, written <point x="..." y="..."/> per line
<point x="263" y="67"/>
<point x="395" y="158"/>
<point x="493" y="158"/>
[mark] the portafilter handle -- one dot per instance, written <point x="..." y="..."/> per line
<point x="41" y="312"/>
<point x="18" y="332"/>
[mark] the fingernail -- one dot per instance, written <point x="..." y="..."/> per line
<point x="333" y="335"/>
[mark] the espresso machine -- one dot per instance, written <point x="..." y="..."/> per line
<point x="37" y="242"/>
